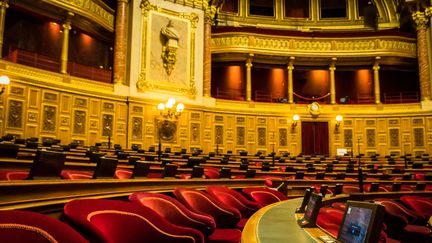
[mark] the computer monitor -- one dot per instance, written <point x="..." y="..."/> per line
<point x="306" y="197"/>
<point x="362" y="222"/>
<point x="311" y="212"/>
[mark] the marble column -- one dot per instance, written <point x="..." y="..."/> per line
<point x="209" y="14"/>
<point x="3" y="6"/>
<point x="332" y="69"/>
<point x="376" y="68"/>
<point x="249" y="77"/>
<point x="119" y="69"/>
<point x="290" y="68"/>
<point x="66" y="26"/>
<point x="421" y="22"/>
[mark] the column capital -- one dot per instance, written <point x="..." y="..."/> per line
<point x="210" y="10"/>
<point x="420" y="19"/>
<point x="4" y="3"/>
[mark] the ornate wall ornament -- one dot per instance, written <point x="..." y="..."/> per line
<point x="240" y="135"/>
<point x="64" y="121"/>
<point x="32" y="116"/>
<point x="137" y="127"/>
<point x="219" y="137"/>
<point x="79" y="122"/>
<point x="261" y="121"/>
<point x="393" y="122"/>
<point x="370" y="138"/>
<point x="50" y="96"/>
<point x="283" y="121"/>
<point x="15" y="113"/>
<point x="420" y="19"/>
<point x="241" y="119"/>
<point x="168" y="36"/>
<point x="146" y="6"/>
<point x="138" y="109"/>
<point x="417" y="121"/>
<point x="370" y="122"/>
<point x="49" y="118"/>
<point x="261" y="136"/>
<point x="81" y="102"/>
<point x="348" y="136"/>
<point x="195" y="133"/>
<point x="394" y="137"/>
<point x="17" y="90"/>
<point x="108" y="106"/>
<point x="107" y="125"/>
<point x="418" y="137"/>
<point x="283" y="137"/>
<point x="167" y="130"/>
<point x="195" y="115"/>
<point x="219" y="118"/>
<point x="314" y="109"/>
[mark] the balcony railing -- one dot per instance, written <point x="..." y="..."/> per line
<point x="230" y="94"/>
<point x="44" y="62"/>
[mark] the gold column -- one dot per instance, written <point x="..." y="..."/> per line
<point x="332" y="69"/>
<point x="209" y="13"/>
<point x="249" y="77"/>
<point x="119" y="72"/>
<point x="290" y="80"/>
<point x="376" y="68"/>
<point x="422" y="52"/>
<point x="3" y="6"/>
<point x="65" y="44"/>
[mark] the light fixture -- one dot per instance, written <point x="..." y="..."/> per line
<point x="4" y="81"/>
<point x="295" y="119"/>
<point x="339" y="119"/>
<point x="167" y="110"/>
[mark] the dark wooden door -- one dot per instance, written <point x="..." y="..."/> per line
<point x="315" y="138"/>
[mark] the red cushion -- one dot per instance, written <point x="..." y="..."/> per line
<point x="264" y="196"/>
<point x="418" y="229"/>
<point x="225" y="236"/>
<point x="117" y="221"/>
<point x="10" y="175"/>
<point x="76" y="175"/>
<point x="421" y="205"/>
<point x="21" y="226"/>
<point x="123" y="174"/>
<point x="211" y="173"/>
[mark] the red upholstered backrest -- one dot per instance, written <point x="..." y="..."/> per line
<point x="211" y="173"/>
<point x="421" y="205"/>
<point x="117" y="221"/>
<point x="347" y="189"/>
<point x="201" y="202"/>
<point x="264" y="196"/>
<point x="175" y="212"/>
<point x="234" y="199"/>
<point x="21" y="226"/>
<point x="397" y="209"/>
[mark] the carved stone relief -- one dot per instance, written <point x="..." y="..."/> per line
<point x="219" y="118"/>
<point x="283" y="137"/>
<point x="394" y="137"/>
<point x="241" y="119"/>
<point x="195" y="132"/>
<point x="418" y="121"/>
<point x="79" y="122"/>
<point x="219" y="134"/>
<point x="49" y="118"/>
<point x="240" y="135"/>
<point x="370" y="137"/>
<point x="50" y="96"/>
<point x="138" y="109"/>
<point x="15" y="113"/>
<point x="107" y="123"/>
<point x="195" y="116"/>
<point x="17" y="91"/>
<point x="348" y="136"/>
<point x="108" y="106"/>
<point x="137" y="126"/>
<point x="418" y="137"/>
<point x="261" y="136"/>
<point x="81" y="102"/>
<point x="370" y="122"/>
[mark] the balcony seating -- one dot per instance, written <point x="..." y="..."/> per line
<point x="264" y="196"/>
<point x="18" y="226"/>
<point x="118" y="221"/>
<point x="421" y="205"/>
<point x="176" y="213"/>
<point x="201" y="202"/>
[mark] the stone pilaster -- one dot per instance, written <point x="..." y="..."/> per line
<point x="332" y="69"/>
<point x="421" y="21"/>
<point x="249" y="77"/>
<point x="3" y="6"/>
<point x="119" y="70"/>
<point x="376" y="69"/>
<point x="65" y="43"/>
<point x="290" y="68"/>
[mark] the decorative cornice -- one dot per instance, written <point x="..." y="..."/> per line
<point x="92" y="10"/>
<point x="322" y="47"/>
<point x="146" y="6"/>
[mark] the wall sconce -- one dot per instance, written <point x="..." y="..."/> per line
<point x="4" y="81"/>
<point x="167" y="110"/>
<point x="339" y="119"/>
<point x="295" y="119"/>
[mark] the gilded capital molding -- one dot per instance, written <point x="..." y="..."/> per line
<point x="420" y="19"/>
<point x="146" y="6"/>
<point x="67" y="22"/>
<point x="4" y="4"/>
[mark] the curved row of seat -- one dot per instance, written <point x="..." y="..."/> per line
<point x="217" y="214"/>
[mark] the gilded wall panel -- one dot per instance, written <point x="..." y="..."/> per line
<point x="418" y="137"/>
<point x="348" y="137"/>
<point x="283" y="121"/>
<point x="108" y="106"/>
<point x="219" y="139"/>
<point x="262" y="136"/>
<point x="95" y="108"/>
<point x="382" y="125"/>
<point x="49" y="118"/>
<point x="241" y="119"/>
<point x="230" y="122"/>
<point x="393" y="122"/>
<point x="107" y="125"/>
<point x="370" y="122"/>
<point x="429" y="124"/>
<point x="283" y="137"/>
<point x="241" y="135"/>
<point x="195" y="115"/>
<point x="33" y="101"/>
<point x="64" y="121"/>
<point x="80" y="102"/>
<point x="394" y="137"/>
<point x="94" y="124"/>
<point x="137" y="127"/>
<point x="32" y="116"/>
<point x="382" y="139"/>
<point x="219" y="118"/>
<point x="358" y="124"/>
<point x="195" y="133"/>
<point x="50" y="97"/>
<point x="229" y="136"/>
<point x="79" y="122"/>
<point x="261" y="121"/>
<point x="405" y="125"/>
<point x="15" y="113"/>
<point x="65" y="103"/>
<point x="14" y="90"/>
<point x="121" y="112"/>
<point x="347" y="123"/>
<point x="417" y="121"/>
<point x="370" y="136"/>
<point x="137" y="109"/>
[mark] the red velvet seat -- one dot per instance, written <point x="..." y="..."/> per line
<point x="225" y="216"/>
<point x="347" y="189"/>
<point x="268" y="180"/>
<point x="76" y="174"/>
<point x="339" y="205"/>
<point x="264" y="196"/>
<point x="330" y="219"/>
<point x="21" y="226"/>
<point x="10" y="175"/>
<point x="121" y="173"/>
<point x="211" y="173"/>
<point x="114" y="221"/>
<point x="176" y="213"/>
<point x="421" y="205"/>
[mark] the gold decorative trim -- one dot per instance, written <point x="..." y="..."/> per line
<point x="93" y="10"/>
<point x="291" y="46"/>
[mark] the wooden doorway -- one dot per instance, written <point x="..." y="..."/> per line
<point x="315" y="138"/>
